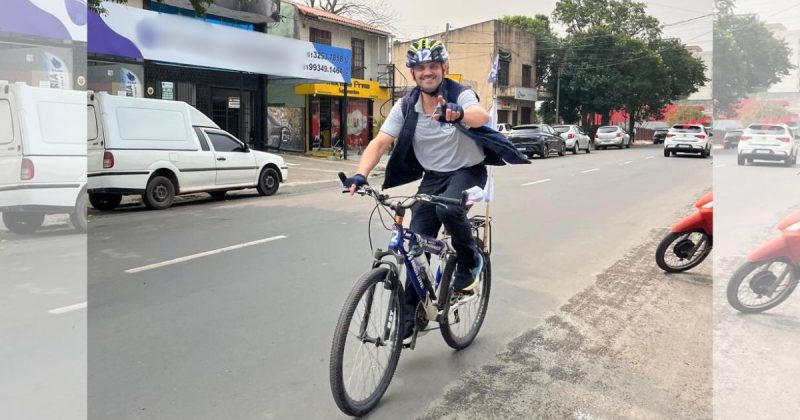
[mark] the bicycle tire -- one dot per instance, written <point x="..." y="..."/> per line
<point x="742" y="273"/>
<point x="371" y="280"/>
<point x="446" y="323"/>
<point x="667" y="245"/>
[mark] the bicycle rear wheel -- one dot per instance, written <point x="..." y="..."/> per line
<point x="366" y="344"/>
<point x="462" y="319"/>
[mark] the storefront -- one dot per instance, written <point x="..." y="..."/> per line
<point x="221" y="70"/>
<point x="326" y="103"/>
<point x="43" y="45"/>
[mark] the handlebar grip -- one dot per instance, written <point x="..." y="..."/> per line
<point x="450" y="201"/>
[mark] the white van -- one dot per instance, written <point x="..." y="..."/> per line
<point x="42" y="156"/>
<point x="160" y="148"/>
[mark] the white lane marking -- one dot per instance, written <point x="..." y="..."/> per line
<point x="203" y="254"/>
<point x="590" y="170"/>
<point x="75" y="307"/>
<point x="720" y="165"/>
<point x="625" y="163"/>
<point x="292" y="164"/>
<point x="536" y="182"/>
<point x="649" y="157"/>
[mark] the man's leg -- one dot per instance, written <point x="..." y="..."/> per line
<point x="456" y="223"/>
<point x="424" y="221"/>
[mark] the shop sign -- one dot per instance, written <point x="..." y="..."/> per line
<point x="233" y="102"/>
<point x="145" y="35"/>
<point x="358" y="88"/>
<point x="168" y="91"/>
<point x="525" y="94"/>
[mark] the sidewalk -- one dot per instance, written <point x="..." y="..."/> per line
<point x="311" y="173"/>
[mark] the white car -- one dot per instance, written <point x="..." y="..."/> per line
<point x="160" y="148"/>
<point x="575" y="138"/>
<point x="42" y="156"/>
<point x="687" y="138"/>
<point x="611" y="135"/>
<point x="504" y="128"/>
<point x="768" y="142"/>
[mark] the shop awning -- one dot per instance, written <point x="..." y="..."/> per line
<point x="357" y="89"/>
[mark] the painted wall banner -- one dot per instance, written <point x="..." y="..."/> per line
<point x="58" y="19"/>
<point x="56" y="71"/>
<point x="286" y="128"/>
<point x="142" y="34"/>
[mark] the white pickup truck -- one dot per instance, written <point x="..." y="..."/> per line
<point x="159" y="149"/>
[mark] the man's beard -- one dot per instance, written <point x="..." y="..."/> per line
<point x="432" y="92"/>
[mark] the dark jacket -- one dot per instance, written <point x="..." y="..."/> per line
<point x="403" y="166"/>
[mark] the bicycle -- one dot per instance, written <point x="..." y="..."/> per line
<point x="372" y="313"/>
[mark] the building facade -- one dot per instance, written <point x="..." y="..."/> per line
<point x="326" y="107"/>
<point x="233" y="63"/>
<point x="473" y="50"/>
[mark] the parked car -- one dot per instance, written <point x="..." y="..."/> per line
<point x="688" y="138"/>
<point x="611" y="135"/>
<point x="575" y="138"/>
<point x="660" y="134"/>
<point x="537" y="139"/>
<point x="42" y="156"/>
<point x="768" y="142"/>
<point x="160" y="148"/>
<point x="504" y="128"/>
<point x="731" y="139"/>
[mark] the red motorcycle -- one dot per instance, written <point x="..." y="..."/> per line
<point x="690" y="241"/>
<point x="770" y="274"/>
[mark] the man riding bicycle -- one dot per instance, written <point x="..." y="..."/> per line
<point x="441" y="138"/>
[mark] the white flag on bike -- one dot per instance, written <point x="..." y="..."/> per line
<point x="488" y="189"/>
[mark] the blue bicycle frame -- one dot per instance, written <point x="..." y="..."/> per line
<point x="400" y="236"/>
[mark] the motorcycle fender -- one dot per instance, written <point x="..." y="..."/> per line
<point x="689" y="223"/>
<point x="776" y="248"/>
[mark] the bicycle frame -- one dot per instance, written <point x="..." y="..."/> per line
<point x="401" y="236"/>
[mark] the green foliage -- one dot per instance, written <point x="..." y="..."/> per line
<point x="747" y="57"/>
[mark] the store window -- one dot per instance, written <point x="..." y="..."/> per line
<point x="319" y="36"/>
<point x="526" y="75"/>
<point x="116" y="79"/>
<point x="502" y="73"/>
<point x="357" y="46"/>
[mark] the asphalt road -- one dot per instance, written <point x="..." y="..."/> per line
<point x="756" y="372"/>
<point x="43" y="324"/>
<point x="246" y="333"/>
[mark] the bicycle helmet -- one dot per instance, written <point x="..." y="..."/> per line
<point x="425" y="50"/>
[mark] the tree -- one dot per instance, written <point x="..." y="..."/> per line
<point x="378" y="13"/>
<point x="747" y="57"/>
<point x="547" y="51"/>
<point x="621" y="17"/>
<point x="614" y="59"/>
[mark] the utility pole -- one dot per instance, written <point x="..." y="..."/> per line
<point x="446" y="33"/>
<point x="558" y="92"/>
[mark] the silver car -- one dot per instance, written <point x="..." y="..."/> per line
<point x="611" y="135"/>
<point x="575" y="138"/>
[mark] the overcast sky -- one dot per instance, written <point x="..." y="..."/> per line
<point x="420" y="17"/>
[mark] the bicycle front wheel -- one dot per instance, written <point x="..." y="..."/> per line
<point x="366" y="344"/>
<point x="462" y="319"/>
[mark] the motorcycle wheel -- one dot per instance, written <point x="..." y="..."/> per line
<point x="762" y="285"/>
<point x="681" y="251"/>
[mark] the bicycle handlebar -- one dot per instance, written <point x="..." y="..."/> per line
<point x="384" y="199"/>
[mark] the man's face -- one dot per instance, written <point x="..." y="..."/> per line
<point x="429" y="75"/>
